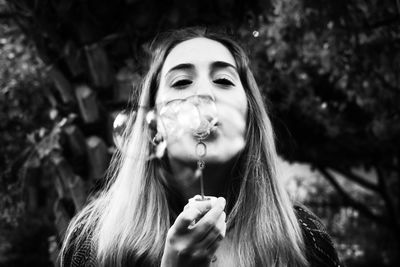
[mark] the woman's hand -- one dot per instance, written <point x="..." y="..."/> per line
<point x="195" y="236"/>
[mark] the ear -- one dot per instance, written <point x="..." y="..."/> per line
<point x="120" y="123"/>
<point x="159" y="143"/>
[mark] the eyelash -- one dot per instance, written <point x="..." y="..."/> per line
<point x="186" y="82"/>
<point x="224" y="81"/>
<point x="182" y="83"/>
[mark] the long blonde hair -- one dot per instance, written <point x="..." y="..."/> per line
<point x="130" y="218"/>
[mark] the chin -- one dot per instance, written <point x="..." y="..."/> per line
<point x="221" y="158"/>
<point x="224" y="150"/>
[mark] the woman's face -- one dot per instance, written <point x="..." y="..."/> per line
<point x="205" y="67"/>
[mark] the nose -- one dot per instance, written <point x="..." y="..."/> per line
<point x="205" y="87"/>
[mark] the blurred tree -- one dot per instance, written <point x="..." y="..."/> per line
<point x="330" y="71"/>
<point x="25" y="115"/>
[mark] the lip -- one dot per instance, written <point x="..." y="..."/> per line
<point x="214" y="133"/>
<point x="205" y="129"/>
<point x="211" y="137"/>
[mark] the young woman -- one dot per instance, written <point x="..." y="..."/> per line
<point x="209" y="115"/>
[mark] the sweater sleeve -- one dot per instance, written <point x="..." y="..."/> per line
<point x="79" y="253"/>
<point x="320" y="250"/>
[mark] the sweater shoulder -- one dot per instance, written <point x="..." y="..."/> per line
<point x="320" y="250"/>
<point x="79" y="248"/>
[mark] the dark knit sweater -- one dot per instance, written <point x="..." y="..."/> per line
<point x="320" y="251"/>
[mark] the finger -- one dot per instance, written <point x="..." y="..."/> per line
<point x="216" y="232"/>
<point x="206" y="198"/>
<point x="209" y="221"/>
<point x="209" y="252"/>
<point x="213" y="247"/>
<point x="204" y="206"/>
<point x="211" y="242"/>
<point x="221" y="224"/>
<point x="192" y="213"/>
<point x="212" y="216"/>
<point x="195" y="198"/>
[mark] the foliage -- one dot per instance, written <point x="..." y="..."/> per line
<point x="334" y="93"/>
<point x="23" y="104"/>
<point x="329" y="72"/>
<point x="30" y="239"/>
<point x="356" y="237"/>
<point x="333" y="77"/>
<point x="25" y="117"/>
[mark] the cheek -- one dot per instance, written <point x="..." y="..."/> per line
<point x="233" y="123"/>
<point x="232" y="112"/>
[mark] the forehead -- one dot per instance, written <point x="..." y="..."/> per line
<point x="197" y="51"/>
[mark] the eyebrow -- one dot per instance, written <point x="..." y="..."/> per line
<point x="222" y="64"/>
<point x="184" y="66"/>
<point x="214" y="65"/>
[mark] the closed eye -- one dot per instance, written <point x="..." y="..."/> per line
<point x="224" y="81"/>
<point x="182" y="83"/>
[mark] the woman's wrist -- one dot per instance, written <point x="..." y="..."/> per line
<point x="169" y="258"/>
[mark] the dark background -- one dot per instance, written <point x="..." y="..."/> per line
<point x="329" y="71"/>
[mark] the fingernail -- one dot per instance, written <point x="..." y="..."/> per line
<point x="194" y="198"/>
<point x="222" y="201"/>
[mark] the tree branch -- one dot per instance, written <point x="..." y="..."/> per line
<point x="357" y="179"/>
<point x="386" y="197"/>
<point x="349" y="200"/>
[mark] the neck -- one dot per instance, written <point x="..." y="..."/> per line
<point x="215" y="177"/>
